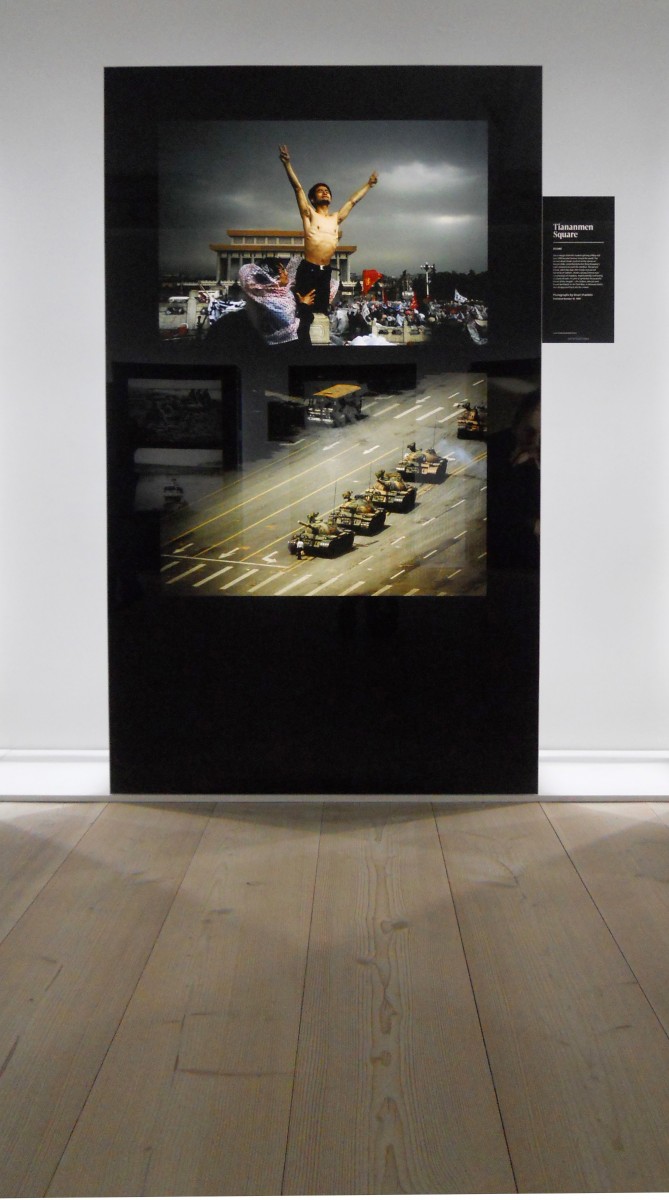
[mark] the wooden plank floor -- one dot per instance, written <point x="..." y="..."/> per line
<point x="579" y="1057"/>
<point x="337" y="998"/>
<point x="393" y="1091"/>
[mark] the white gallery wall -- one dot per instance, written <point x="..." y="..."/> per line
<point x="605" y="528"/>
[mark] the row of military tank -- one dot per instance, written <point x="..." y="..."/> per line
<point x="392" y="491"/>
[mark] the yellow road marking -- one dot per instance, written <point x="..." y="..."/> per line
<point x="459" y="471"/>
<point x="246" y="475"/>
<point x="273" y="488"/>
<point x="279" y="511"/>
<point x="283" y="535"/>
<point x="242" y="531"/>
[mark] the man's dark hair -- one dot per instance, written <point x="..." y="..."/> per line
<point x="311" y="194"/>
<point x="271" y="265"/>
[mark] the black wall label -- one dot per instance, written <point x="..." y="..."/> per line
<point x="578" y="256"/>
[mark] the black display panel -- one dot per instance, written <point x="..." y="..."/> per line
<point x="323" y="429"/>
<point x="579" y="266"/>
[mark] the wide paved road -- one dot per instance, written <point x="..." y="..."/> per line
<point x="234" y="542"/>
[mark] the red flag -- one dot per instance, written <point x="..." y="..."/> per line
<point x="414" y="302"/>
<point x="369" y="278"/>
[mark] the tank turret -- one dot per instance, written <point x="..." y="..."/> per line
<point x="358" y="514"/>
<point x="391" y="492"/>
<point x="322" y="538"/>
<point x="421" y="464"/>
<point x="473" y="421"/>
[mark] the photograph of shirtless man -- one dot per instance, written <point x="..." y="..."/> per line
<point x="321" y="235"/>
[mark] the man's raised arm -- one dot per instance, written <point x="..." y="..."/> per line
<point x="302" y="202"/>
<point x="346" y="208"/>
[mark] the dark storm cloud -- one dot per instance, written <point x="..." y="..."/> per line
<point x="430" y="203"/>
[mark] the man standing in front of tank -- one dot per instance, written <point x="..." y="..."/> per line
<point x="321" y="235"/>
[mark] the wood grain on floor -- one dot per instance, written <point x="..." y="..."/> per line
<point x="580" y="1061"/>
<point x="335" y="998"/>
<point x="194" y="1097"/>
<point x="393" y="1091"/>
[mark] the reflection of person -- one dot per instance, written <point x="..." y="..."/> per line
<point x="173" y="494"/>
<point x="321" y="235"/>
<point x="527" y="429"/>
<point x="270" y="301"/>
<point x="514" y="463"/>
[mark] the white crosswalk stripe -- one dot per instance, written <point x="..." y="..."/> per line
<point x="190" y="571"/>
<point x="215" y="575"/>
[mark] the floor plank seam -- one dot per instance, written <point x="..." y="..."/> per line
<point x="608" y="928"/>
<point x="304" y="985"/>
<point x="51" y="878"/>
<point x="476" y="1004"/>
<point x="131" y="997"/>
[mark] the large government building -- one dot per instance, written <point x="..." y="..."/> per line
<point x="252" y="245"/>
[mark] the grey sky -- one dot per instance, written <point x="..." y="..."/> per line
<point x="430" y="204"/>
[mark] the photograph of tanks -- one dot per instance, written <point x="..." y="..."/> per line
<point x="391" y="251"/>
<point x="357" y="489"/>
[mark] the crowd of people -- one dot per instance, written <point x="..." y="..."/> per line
<point x="267" y="293"/>
<point x="370" y="317"/>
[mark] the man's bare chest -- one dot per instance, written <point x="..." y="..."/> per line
<point x="324" y="226"/>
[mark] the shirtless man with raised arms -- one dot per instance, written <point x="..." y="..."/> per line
<point x="321" y="235"/>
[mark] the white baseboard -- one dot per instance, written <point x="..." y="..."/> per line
<point x="629" y="773"/>
<point x="562" y="773"/>
<point x="47" y="773"/>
